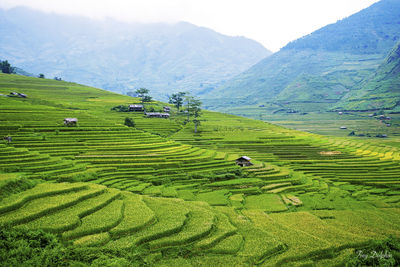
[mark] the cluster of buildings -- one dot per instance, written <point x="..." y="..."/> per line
<point x="140" y="108"/>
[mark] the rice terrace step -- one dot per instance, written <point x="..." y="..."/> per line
<point x="171" y="196"/>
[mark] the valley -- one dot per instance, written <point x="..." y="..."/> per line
<point x="174" y="197"/>
<point x="289" y="158"/>
<point x="351" y="65"/>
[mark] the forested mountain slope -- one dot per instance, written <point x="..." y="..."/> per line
<point x="381" y="90"/>
<point x="322" y="67"/>
<point x="120" y="56"/>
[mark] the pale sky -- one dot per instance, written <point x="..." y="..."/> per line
<point x="273" y="23"/>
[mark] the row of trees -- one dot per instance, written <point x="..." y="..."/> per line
<point x="193" y="106"/>
<point x="180" y="99"/>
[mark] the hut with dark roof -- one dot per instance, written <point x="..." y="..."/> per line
<point x="157" y="115"/>
<point x="70" y="121"/>
<point x="244" y="161"/>
<point x="134" y="107"/>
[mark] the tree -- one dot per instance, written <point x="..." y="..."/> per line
<point x="147" y="98"/>
<point x="177" y="99"/>
<point x="129" y="122"/>
<point x="143" y="93"/>
<point x="41" y="75"/>
<point x="6" y="67"/>
<point x="193" y="109"/>
<point x="120" y="108"/>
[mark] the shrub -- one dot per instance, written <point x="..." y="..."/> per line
<point x="20" y="247"/>
<point x="121" y="108"/>
<point x="377" y="253"/>
<point x="6" y="67"/>
<point x="15" y="185"/>
<point x="129" y="122"/>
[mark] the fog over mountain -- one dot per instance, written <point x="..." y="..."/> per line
<point x="121" y="56"/>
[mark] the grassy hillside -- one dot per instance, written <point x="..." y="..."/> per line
<point x="381" y="90"/>
<point x="316" y="71"/>
<point x="160" y="194"/>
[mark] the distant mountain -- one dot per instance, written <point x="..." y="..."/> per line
<point x="324" y="66"/>
<point x="381" y="90"/>
<point x="20" y="71"/>
<point x="122" y="56"/>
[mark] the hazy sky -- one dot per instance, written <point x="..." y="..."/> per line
<point x="271" y="22"/>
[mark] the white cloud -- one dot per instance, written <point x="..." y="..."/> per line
<point x="271" y="22"/>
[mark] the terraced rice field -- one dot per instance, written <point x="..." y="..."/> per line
<point x="179" y="196"/>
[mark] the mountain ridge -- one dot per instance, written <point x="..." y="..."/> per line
<point x="309" y="69"/>
<point x="121" y="56"/>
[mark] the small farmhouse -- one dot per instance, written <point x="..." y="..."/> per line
<point x="166" y="109"/>
<point x="136" y="108"/>
<point x="70" y="121"/>
<point x="157" y="115"/>
<point x="15" y="94"/>
<point x="244" y="161"/>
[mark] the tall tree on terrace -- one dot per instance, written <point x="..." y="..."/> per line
<point x="193" y="108"/>
<point x="177" y="99"/>
<point x="143" y="93"/>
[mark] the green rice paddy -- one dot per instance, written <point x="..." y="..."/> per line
<point x="179" y="196"/>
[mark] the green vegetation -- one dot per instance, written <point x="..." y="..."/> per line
<point x="143" y="94"/>
<point x="193" y="109"/>
<point x="129" y="122"/>
<point x="379" y="91"/>
<point x="103" y="193"/>
<point x="36" y="247"/>
<point x="377" y="253"/>
<point x="6" y="67"/>
<point x="177" y="99"/>
<point x="340" y="67"/>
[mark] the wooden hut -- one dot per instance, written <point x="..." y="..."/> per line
<point x="136" y="107"/>
<point x="167" y="109"/>
<point x="157" y="115"/>
<point x="70" y="121"/>
<point x="244" y="161"/>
